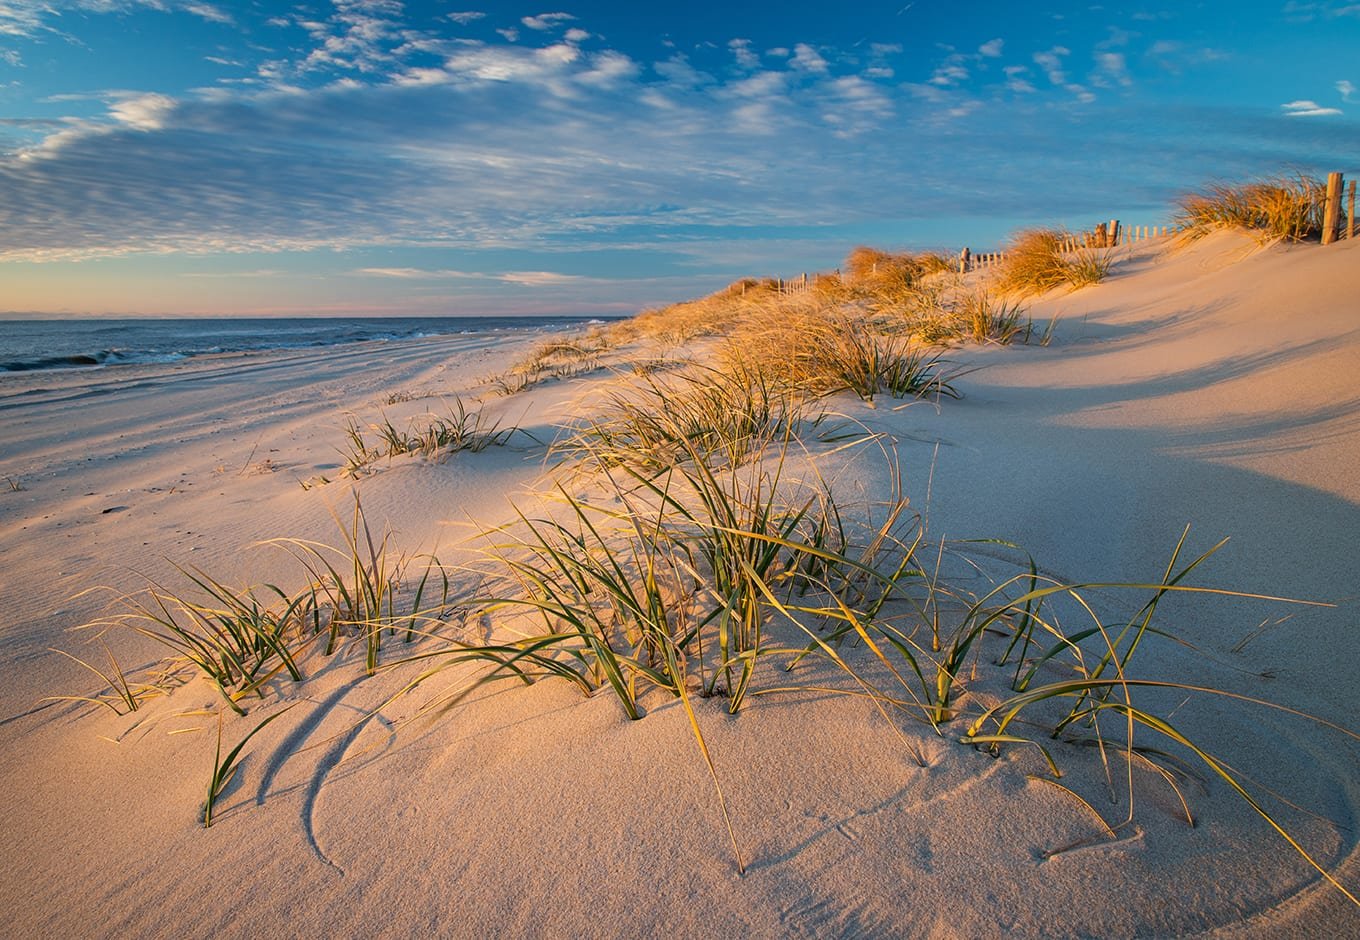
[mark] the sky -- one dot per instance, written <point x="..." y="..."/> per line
<point x="377" y="157"/>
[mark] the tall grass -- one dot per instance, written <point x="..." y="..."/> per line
<point x="822" y="353"/>
<point x="1035" y="263"/>
<point x="358" y="588"/>
<point x="1284" y="207"/>
<point x="719" y="417"/>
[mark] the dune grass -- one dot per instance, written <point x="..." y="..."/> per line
<point x="1282" y="207"/>
<point x="239" y="639"/>
<point x="1035" y="263"/>
<point x="719" y="417"/>
<point x="434" y="436"/>
<point x="123" y="697"/>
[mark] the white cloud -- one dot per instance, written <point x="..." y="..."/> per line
<point x="1017" y="79"/>
<point x="538" y="278"/>
<point x="466" y="16"/>
<point x="991" y="49"/>
<point x="741" y="51"/>
<point x="30" y="18"/>
<point x="1051" y="62"/>
<point x="546" y="21"/>
<point x="808" y="59"/>
<point x="1346" y="88"/>
<point x="418" y="274"/>
<point x="678" y="71"/>
<point x="1304" y="108"/>
<point x="446" y="142"/>
<point x="1111" y="67"/>
<point x="143" y="112"/>
<point x="608" y="69"/>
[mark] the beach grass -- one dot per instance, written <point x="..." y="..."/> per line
<point x="1036" y="261"/>
<point x="434" y="436"/>
<point x="1282" y="207"/>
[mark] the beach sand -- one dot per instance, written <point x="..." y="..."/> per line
<point x="1217" y="386"/>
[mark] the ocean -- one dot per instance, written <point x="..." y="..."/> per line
<point x="88" y="343"/>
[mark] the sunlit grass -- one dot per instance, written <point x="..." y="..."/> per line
<point x="434" y="436"/>
<point x="1036" y="262"/>
<point x="1285" y="207"/>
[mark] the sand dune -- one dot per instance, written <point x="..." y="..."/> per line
<point x="1215" y="387"/>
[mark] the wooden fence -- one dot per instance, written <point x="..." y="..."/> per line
<point x="1109" y="234"/>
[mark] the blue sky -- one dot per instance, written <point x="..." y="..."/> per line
<point x="423" y="158"/>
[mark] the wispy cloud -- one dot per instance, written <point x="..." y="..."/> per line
<point x="539" y="278"/>
<point x="147" y="112"/>
<point x="1302" y="11"/>
<point x="30" y="18"/>
<point x="1051" y="61"/>
<point x="1347" y="90"/>
<point x="365" y="130"/>
<point x="1304" y="108"/>
<point x="418" y="274"/>
<point x="808" y="59"/>
<point x="1111" y="69"/>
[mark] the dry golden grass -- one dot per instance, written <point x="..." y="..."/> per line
<point x="1284" y="207"/>
<point x="1035" y="263"/>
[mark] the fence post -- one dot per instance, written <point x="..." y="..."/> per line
<point x="1350" y="212"/>
<point x="1331" y="214"/>
<point x="963" y="261"/>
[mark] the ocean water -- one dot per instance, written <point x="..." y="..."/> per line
<point x="28" y="345"/>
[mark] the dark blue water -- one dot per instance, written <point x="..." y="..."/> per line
<point x="27" y="345"/>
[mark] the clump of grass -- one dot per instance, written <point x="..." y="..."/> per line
<point x="239" y="639"/>
<point x="870" y="267"/>
<point x="717" y="579"/>
<point x="1035" y="262"/>
<point x="994" y="320"/>
<point x="1088" y="266"/>
<point x="563" y="357"/>
<point x="721" y="417"/>
<point x="355" y="589"/>
<point x="820" y="353"/>
<point x="509" y="383"/>
<point x="866" y="363"/>
<point x="236" y="639"/>
<point x="433" y="436"/>
<point x="1289" y="208"/>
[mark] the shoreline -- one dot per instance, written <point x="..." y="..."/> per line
<point x="1212" y="387"/>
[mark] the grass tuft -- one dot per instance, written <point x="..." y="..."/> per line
<point x="1289" y="208"/>
<point x="1035" y="263"/>
<point x="436" y="437"/>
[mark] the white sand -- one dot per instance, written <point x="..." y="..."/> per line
<point x="1218" y="387"/>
